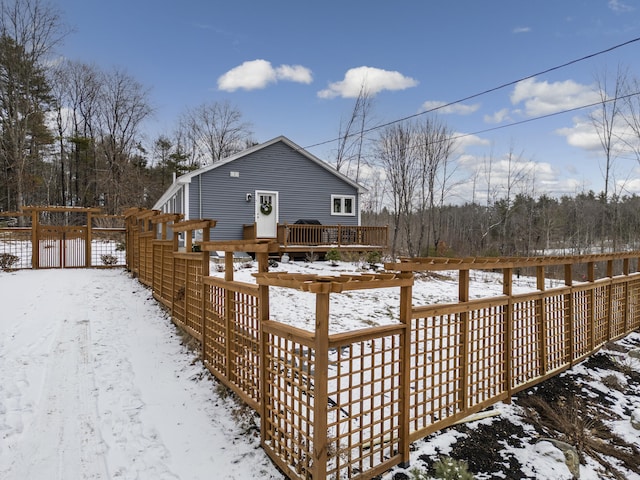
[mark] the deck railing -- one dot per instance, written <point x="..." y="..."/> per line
<point x="334" y="235"/>
<point x="293" y="235"/>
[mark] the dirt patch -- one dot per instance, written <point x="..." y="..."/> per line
<point x="583" y="407"/>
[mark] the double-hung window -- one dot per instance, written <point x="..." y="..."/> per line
<point x="343" y="205"/>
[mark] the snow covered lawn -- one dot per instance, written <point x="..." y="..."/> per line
<point x="97" y="385"/>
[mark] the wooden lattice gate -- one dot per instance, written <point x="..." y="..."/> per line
<point x="62" y="237"/>
<point x="62" y="246"/>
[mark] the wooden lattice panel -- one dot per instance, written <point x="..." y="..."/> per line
<point x="146" y="259"/>
<point x="633" y="321"/>
<point x="167" y="274"/>
<point x="245" y="343"/>
<point x="618" y="309"/>
<point x="232" y="336"/>
<point x="487" y="354"/>
<point x="193" y="297"/>
<point x="290" y="406"/>
<point x="582" y="324"/>
<point x="215" y="331"/>
<point x="526" y="352"/>
<point x="179" y="290"/>
<point x="556" y="330"/>
<point x="600" y="314"/>
<point x="364" y="404"/>
<point x="436" y="370"/>
<point x="162" y="270"/>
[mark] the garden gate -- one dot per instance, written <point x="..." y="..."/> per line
<point x="62" y="237"/>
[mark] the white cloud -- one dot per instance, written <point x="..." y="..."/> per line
<point x="619" y="7"/>
<point x="257" y="74"/>
<point x="373" y="79"/>
<point x="294" y="73"/>
<point x="498" y="117"/>
<point x="521" y="30"/>
<point x="464" y="141"/>
<point x="457" y="108"/>
<point x="581" y="134"/>
<point x="543" y="98"/>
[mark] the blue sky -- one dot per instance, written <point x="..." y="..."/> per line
<point x="291" y="68"/>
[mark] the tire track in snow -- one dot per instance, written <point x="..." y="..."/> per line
<point x="66" y="418"/>
<point x="136" y="450"/>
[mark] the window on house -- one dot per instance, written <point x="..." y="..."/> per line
<point x="343" y="205"/>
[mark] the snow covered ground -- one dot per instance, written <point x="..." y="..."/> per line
<point x="96" y="385"/>
<point x="96" y="382"/>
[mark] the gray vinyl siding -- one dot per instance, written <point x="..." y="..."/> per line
<point x="304" y="189"/>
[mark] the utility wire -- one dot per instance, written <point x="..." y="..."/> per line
<point x="484" y="92"/>
<point x="548" y="115"/>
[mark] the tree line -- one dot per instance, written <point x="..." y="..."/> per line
<point x="528" y="226"/>
<point x="72" y="134"/>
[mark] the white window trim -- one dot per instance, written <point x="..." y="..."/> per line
<point x="342" y="199"/>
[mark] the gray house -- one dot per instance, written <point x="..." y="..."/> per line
<point x="263" y="188"/>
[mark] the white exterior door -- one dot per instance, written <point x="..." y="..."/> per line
<point x="266" y="209"/>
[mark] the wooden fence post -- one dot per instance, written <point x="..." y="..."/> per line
<point x="87" y="241"/>
<point x="568" y="311"/>
<point x="35" y="240"/>
<point x="627" y="296"/>
<point x="320" y="382"/>
<point x="507" y="289"/>
<point x="406" y="307"/>
<point x="542" y="313"/>
<point x="609" y="299"/>
<point x="591" y="277"/>
<point x="463" y="296"/>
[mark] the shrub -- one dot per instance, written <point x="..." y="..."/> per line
<point x="120" y="247"/>
<point x="333" y="256"/>
<point x="108" y="259"/>
<point x="373" y="257"/>
<point x="8" y="261"/>
<point x="451" y="469"/>
<point x="310" y="257"/>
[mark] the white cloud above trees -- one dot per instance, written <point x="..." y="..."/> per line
<point x="544" y="98"/>
<point x="258" y="74"/>
<point x="374" y="80"/>
<point x="456" y="108"/>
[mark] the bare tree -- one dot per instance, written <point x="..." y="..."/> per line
<point x="124" y="106"/>
<point x="434" y="145"/>
<point x="395" y="154"/>
<point x="516" y="172"/>
<point x="77" y="88"/>
<point x="606" y="121"/>
<point x="214" y="131"/>
<point x="352" y="135"/>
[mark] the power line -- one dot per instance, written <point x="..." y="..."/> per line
<point x="484" y="92"/>
<point x="548" y="115"/>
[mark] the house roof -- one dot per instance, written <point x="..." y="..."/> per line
<point x="186" y="178"/>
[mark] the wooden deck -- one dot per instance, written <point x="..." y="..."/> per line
<point x="300" y="238"/>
